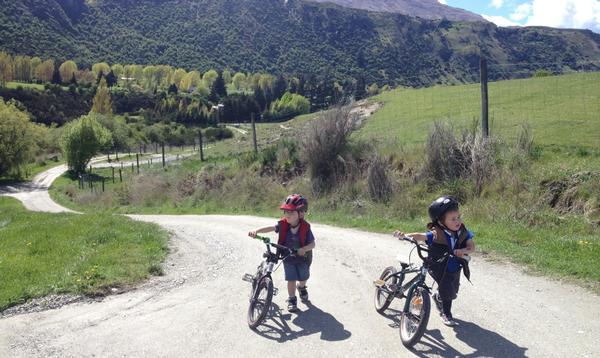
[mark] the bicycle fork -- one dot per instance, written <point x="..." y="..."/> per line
<point x="418" y="281"/>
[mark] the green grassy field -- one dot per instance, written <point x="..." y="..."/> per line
<point x="562" y="110"/>
<point x="39" y="87"/>
<point x="44" y="253"/>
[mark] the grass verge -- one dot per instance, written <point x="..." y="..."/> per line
<point x="42" y="253"/>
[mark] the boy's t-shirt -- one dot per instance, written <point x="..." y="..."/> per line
<point x="453" y="263"/>
<point x="292" y="241"/>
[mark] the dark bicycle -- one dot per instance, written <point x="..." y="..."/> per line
<point x="415" y="314"/>
<point x="262" y="284"/>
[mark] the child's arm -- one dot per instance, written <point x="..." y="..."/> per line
<point x="418" y="236"/>
<point x="303" y="250"/>
<point x="261" y="230"/>
<point x="467" y="250"/>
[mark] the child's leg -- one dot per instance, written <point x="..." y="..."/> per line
<point x="302" y="284"/>
<point x="447" y="307"/>
<point x="448" y="289"/>
<point x="291" y="285"/>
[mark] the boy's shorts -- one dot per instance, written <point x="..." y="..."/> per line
<point x="296" y="272"/>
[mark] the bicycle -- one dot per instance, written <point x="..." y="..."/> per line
<point x="416" y="311"/>
<point x="263" y="291"/>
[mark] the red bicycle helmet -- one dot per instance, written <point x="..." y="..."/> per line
<point x="295" y="202"/>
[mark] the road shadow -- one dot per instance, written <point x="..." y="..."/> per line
<point x="485" y="343"/>
<point x="311" y="320"/>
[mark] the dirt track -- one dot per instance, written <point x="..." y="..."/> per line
<point x="199" y="307"/>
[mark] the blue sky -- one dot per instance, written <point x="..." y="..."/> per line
<point x="579" y="14"/>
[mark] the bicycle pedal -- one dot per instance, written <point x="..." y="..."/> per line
<point x="248" y="277"/>
<point x="379" y="283"/>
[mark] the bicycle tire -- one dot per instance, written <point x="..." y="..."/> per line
<point x="419" y="310"/>
<point x="259" y="307"/>
<point x="383" y="299"/>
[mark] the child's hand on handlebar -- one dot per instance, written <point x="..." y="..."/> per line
<point x="300" y="252"/>
<point x="252" y="234"/>
<point x="399" y="234"/>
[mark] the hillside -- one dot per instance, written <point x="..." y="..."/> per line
<point x="427" y="9"/>
<point x="561" y="110"/>
<point x="286" y="37"/>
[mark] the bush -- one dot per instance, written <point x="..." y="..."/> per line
<point x="82" y="139"/>
<point x="216" y="133"/>
<point x="17" y="138"/>
<point x="281" y="159"/>
<point x="380" y="187"/>
<point x="542" y="73"/>
<point x="450" y="157"/>
<point x="326" y="147"/>
<point x="290" y="104"/>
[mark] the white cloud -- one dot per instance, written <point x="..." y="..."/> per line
<point x="497" y="4"/>
<point x="522" y="12"/>
<point x="579" y="14"/>
<point x="443" y="2"/>
<point x="500" y="20"/>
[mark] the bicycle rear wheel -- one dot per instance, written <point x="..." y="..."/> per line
<point x="383" y="298"/>
<point x="260" y="302"/>
<point x="414" y="322"/>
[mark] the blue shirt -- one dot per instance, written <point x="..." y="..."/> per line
<point x="453" y="263"/>
<point x="292" y="241"/>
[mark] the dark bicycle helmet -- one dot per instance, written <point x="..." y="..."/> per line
<point x="440" y="206"/>
<point x="295" y="202"/>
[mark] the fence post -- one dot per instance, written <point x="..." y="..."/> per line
<point x="103" y="184"/>
<point x="254" y="133"/>
<point x="137" y="160"/>
<point x="200" y="145"/>
<point x="113" y="174"/>
<point x="121" y="175"/>
<point x="484" y="96"/>
<point x="163" y="155"/>
<point x="132" y="168"/>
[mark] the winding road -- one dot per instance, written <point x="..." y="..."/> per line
<point x="198" y="308"/>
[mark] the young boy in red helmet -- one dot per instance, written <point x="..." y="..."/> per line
<point x="447" y="234"/>
<point x="294" y="233"/>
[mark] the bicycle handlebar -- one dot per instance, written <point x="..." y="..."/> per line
<point x="268" y="242"/>
<point x="421" y="248"/>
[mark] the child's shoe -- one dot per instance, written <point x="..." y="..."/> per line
<point x="449" y="321"/>
<point x="292" y="304"/>
<point x="303" y="294"/>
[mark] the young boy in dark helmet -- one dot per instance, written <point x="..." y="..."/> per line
<point x="294" y="233"/>
<point x="446" y="233"/>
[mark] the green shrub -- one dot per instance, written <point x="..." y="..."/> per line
<point x="82" y="139"/>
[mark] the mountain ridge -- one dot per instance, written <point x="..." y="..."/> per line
<point x="293" y="37"/>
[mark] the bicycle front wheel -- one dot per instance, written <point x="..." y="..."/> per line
<point x="260" y="302"/>
<point x="414" y="322"/>
<point x="383" y="297"/>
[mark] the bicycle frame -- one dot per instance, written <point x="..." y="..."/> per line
<point x="268" y="265"/>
